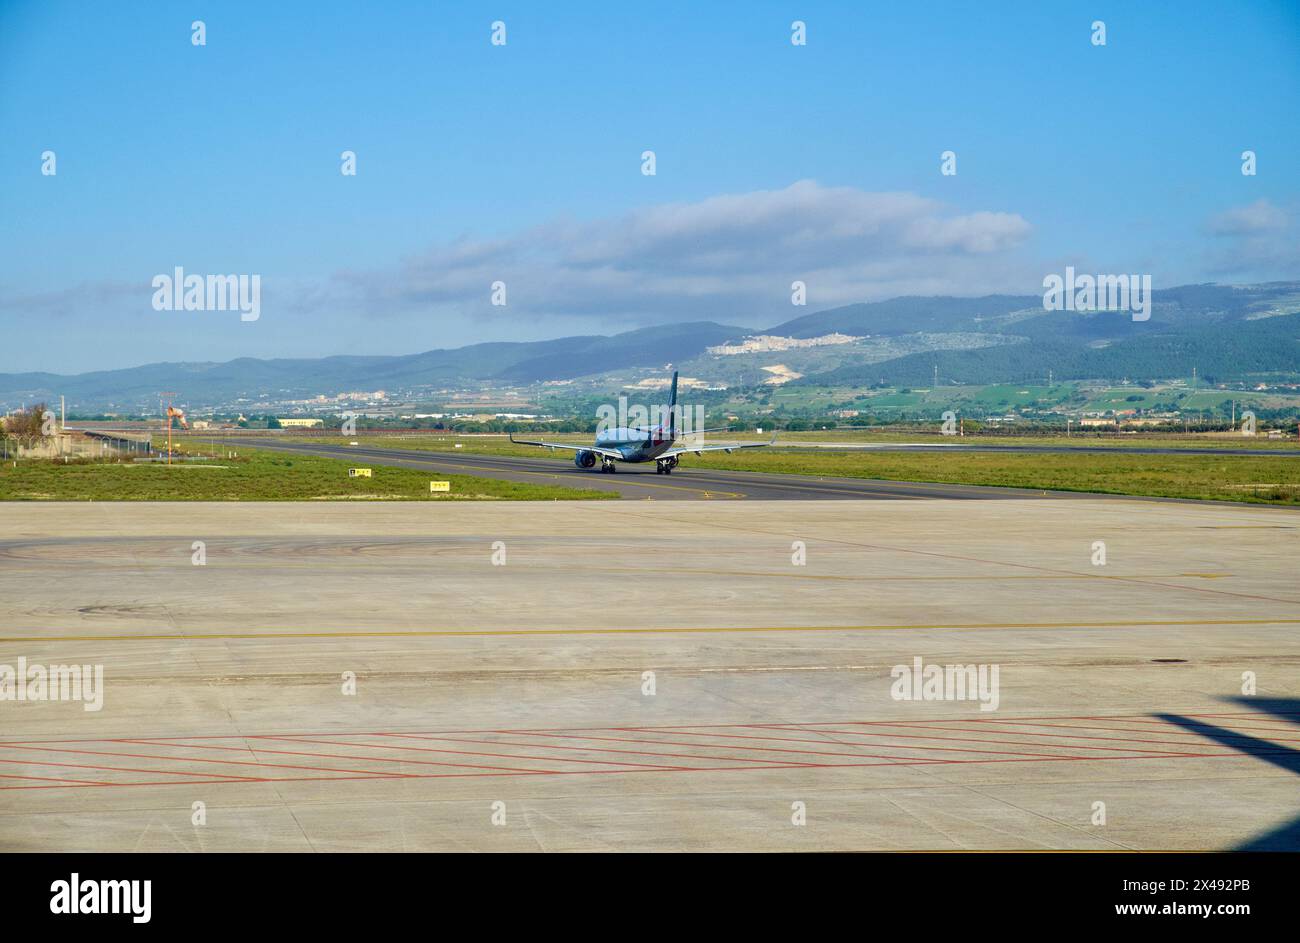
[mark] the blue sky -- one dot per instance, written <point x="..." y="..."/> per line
<point x="522" y="163"/>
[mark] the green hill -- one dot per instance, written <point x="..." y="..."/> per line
<point x="1220" y="352"/>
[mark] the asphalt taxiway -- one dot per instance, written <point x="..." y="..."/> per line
<point x="957" y="445"/>
<point x="618" y="675"/>
<point x="640" y="481"/>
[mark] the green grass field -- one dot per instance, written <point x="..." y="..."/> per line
<point x="1256" y="479"/>
<point x="255" y="476"/>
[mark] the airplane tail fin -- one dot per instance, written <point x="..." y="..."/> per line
<point x="672" y="408"/>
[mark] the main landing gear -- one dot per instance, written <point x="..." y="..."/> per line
<point x="665" y="466"/>
<point x="607" y="465"/>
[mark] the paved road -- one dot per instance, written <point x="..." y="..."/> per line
<point x="985" y="447"/>
<point x="686" y="483"/>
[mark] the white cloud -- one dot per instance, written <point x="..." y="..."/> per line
<point x="70" y="301"/>
<point x="729" y="257"/>
<point x="1250" y="220"/>
<point x="1255" y="242"/>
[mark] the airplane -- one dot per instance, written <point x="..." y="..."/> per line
<point x="640" y="444"/>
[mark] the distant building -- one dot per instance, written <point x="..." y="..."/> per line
<point x="1126" y="420"/>
<point x="768" y="342"/>
<point x="301" y="423"/>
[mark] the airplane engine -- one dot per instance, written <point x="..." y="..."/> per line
<point x="584" y="459"/>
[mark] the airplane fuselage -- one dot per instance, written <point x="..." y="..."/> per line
<point x="635" y="445"/>
<point x="639" y="444"/>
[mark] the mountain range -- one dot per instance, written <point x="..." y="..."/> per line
<point x="1225" y="332"/>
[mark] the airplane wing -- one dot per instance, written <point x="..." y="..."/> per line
<point x="718" y="448"/>
<point x="608" y="453"/>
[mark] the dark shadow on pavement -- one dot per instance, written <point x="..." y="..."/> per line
<point x="1286" y="837"/>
